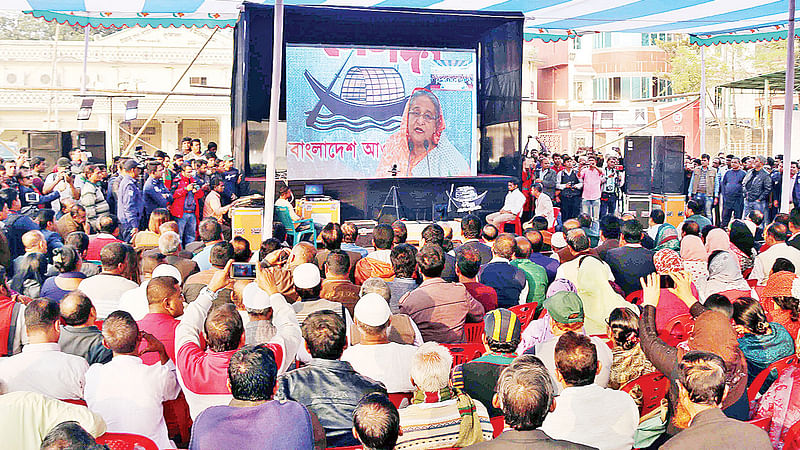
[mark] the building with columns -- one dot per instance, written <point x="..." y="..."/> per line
<point x="40" y="87"/>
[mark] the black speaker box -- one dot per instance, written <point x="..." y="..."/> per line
<point x="668" y="164"/>
<point x="638" y="168"/>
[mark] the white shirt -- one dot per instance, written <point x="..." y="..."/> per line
<point x="135" y="302"/>
<point x="45" y="369"/>
<point x="594" y="416"/>
<point x="544" y="208"/>
<point x="763" y="263"/>
<point x="62" y="187"/>
<point x="128" y="395"/>
<point x="105" y="292"/>
<point x="546" y="351"/>
<point x="388" y="363"/>
<point x="515" y="201"/>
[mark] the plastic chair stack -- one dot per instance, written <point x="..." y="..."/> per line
<point x="524" y="312"/>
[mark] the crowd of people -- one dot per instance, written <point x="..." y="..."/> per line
<point x="346" y="342"/>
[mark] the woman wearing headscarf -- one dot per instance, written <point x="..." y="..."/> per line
<point x="712" y="333"/>
<point x="669" y="306"/>
<point x="539" y="330"/>
<point x="724" y="275"/>
<point x="420" y="147"/>
<point x="717" y="240"/>
<point x="695" y="260"/>
<point x="667" y="237"/>
<point x="742" y="246"/>
<point x="780" y="300"/>
<point x="761" y="341"/>
<point x="598" y="297"/>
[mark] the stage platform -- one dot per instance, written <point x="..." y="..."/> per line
<point x="421" y="199"/>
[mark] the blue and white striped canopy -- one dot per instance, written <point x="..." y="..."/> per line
<point x="709" y="21"/>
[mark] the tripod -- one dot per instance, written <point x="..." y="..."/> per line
<point x="395" y="203"/>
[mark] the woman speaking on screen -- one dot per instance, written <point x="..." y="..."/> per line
<point x="420" y="148"/>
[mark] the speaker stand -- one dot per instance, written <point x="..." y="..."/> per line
<point x="395" y="203"/>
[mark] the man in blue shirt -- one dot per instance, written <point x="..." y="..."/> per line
<point x="16" y="224"/>
<point x="156" y="195"/>
<point x="232" y="179"/>
<point x="732" y="192"/>
<point x="130" y="204"/>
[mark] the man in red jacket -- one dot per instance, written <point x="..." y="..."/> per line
<point x="185" y="205"/>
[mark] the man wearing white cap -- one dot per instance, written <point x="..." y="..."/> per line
<point x="259" y="329"/>
<point x="308" y="284"/>
<point x="376" y="357"/>
<point x="135" y="301"/>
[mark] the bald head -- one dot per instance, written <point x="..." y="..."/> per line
<point x="77" y="310"/>
<point x="504" y="245"/>
<point x="34" y="241"/>
<point x="303" y="252"/>
<point x="169" y="226"/>
<point x="522" y="250"/>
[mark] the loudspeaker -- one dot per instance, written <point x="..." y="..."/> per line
<point x="50" y="145"/>
<point x="93" y="142"/>
<point x="638" y="168"/>
<point x="668" y="164"/>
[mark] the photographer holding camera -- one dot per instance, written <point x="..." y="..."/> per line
<point x="186" y="204"/>
<point x="613" y="179"/>
<point x="62" y="181"/>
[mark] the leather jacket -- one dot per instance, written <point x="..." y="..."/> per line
<point x="757" y="185"/>
<point x="331" y="389"/>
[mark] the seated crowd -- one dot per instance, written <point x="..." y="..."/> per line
<point x="346" y="345"/>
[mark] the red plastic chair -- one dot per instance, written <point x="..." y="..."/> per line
<point x="397" y="398"/>
<point x="791" y="439"/>
<point x="759" y="380"/>
<point x="473" y="332"/>
<point x="655" y="387"/>
<point x="733" y="294"/>
<point x="352" y="447"/>
<point x="501" y="226"/>
<point x="752" y="283"/>
<point x="635" y="297"/>
<point x="74" y="401"/>
<point x="498" y="423"/>
<point x="176" y="415"/>
<point x="126" y="441"/>
<point x="524" y="312"/>
<point x="465" y="352"/>
<point x="762" y="423"/>
<point x="678" y="329"/>
<point x="99" y="324"/>
<point x="556" y="212"/>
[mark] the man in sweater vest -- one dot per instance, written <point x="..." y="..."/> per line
<point x="509" y="281"/>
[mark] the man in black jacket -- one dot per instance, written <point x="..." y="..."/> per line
<point x="757" y="186"/>
<point x="630" y="261"/>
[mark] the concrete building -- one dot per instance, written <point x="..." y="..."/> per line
<point x="40" y="83"/>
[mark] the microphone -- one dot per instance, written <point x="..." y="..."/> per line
<point x="410" y="151"/>
<point x="426" y="144"/>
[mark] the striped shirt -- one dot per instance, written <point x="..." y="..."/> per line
<point x="436" y="425"/>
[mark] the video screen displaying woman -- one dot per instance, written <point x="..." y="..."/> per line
<point x="420" y="148"/>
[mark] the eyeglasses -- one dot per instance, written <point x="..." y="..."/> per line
<point x="414" y="115"/>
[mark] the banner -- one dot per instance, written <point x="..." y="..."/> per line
<point x="378" y="112"/>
